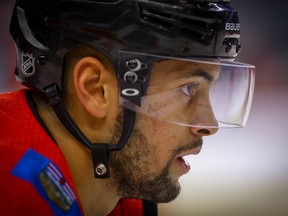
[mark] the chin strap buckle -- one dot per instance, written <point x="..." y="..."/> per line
<point x="100" y="152"/>
<point x="100" y="157"/>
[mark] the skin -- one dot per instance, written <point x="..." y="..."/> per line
<point x="147" y="167"/>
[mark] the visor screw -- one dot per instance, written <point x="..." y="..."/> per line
<point x="228" y="47"/>
<point x="238" y="48"/>
<point x="100" y="169"/>
<point x="42" y="59"/>
<point x="130" y="77"/>
<point x="133" y="64"/>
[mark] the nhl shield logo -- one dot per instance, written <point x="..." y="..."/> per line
<point x="28" y="64"/>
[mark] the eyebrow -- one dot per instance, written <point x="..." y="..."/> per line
<point x="202" y="73"/>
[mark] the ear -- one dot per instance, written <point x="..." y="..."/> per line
<point x="90" y="79"/>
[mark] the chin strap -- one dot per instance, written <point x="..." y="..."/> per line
<point x="100" y="151"/>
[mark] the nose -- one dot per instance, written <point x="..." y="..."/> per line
<point x="203" y="131"/>
<point x="205" y="123"/>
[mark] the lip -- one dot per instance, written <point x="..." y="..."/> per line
<point x="184" y="163"/>
<point x="194" y="151"/>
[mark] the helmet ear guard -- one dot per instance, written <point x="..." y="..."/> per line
<point x="45" y="31"/>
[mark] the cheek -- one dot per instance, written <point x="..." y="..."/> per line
<point x="163" y="132"/>
<point x="162" y="139"/>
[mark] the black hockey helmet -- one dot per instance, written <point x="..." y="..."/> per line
<point x="44" y="31"/>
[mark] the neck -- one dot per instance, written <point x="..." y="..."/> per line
<point x="96" y="195"/>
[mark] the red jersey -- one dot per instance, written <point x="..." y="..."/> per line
<point x="35" y="177"/>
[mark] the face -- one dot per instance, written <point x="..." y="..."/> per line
<point x="150" y="164"/>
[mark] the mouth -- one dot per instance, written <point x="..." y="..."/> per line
<point x="182" y="161"/>
<point x="184" y="164"/>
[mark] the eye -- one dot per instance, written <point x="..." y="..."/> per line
<point x="189" y="89"/>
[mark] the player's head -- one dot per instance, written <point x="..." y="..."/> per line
<point x="170" y="57"/>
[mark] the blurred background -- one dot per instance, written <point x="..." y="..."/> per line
<point x="240" y="172"/>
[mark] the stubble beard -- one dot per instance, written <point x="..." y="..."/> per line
<point x="131" y="172"/>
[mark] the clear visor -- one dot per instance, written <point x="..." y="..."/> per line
<point x="197" y="93"/>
